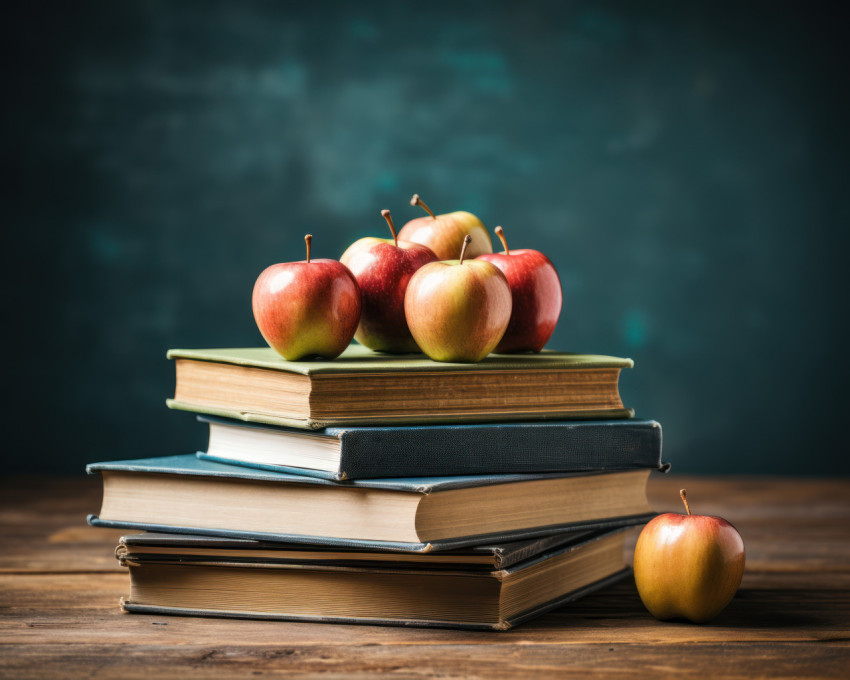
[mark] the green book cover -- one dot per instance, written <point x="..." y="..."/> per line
<point x="361" y="359"/>
<point x="499" y="388"/>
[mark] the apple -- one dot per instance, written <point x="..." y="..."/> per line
<point x="688" y="566"/>
<point x="307" y="309"/>
<point x="458" y="310"/>
<point x="444" y="234"/>
<point x="383" y="268"/>
<point x="536" y="294"/>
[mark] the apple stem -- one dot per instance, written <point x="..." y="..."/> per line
<point x="418" y="201"/>
<point x="501" y="234"/>
<point x="308" y="239"/>
<point x="683" y="494"/>
<point x="389" y="218"/>
<point x="466" y="240"/>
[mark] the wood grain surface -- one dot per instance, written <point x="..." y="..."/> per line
<point x="60" y="585"/>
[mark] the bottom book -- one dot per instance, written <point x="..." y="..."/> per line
<point x="244" y="579"/>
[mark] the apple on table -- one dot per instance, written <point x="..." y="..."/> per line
<point x="688" y="566"/>
<point x="535" y="293"/>
<point x="383" y="268"/>
<point x="307" y="309"/>
<point x="444" y="234"/>
<point x="458" y="310"/>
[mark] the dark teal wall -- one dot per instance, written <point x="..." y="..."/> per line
<point x="683" y="164"/>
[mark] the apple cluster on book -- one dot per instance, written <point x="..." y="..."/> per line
<point x="381" y="488"/>
<point x="409" y="294"/>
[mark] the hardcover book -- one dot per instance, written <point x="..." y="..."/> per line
<point x="163" y="547"/>
<point x="185" y="494"/>
<point x="438" y="450"/>
<point x="454" y="596"/>
<point x="362" y="387"/>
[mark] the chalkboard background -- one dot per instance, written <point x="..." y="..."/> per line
<point x="682" y="164"/>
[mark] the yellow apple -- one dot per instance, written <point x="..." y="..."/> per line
<point x="444" y="234"/>
<point x="688" y="566"/>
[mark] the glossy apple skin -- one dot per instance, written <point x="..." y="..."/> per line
<point x="458" y="312"/>
<point x="444" y="234"/>
<point x="536" y="294"/>
<point x="383" y="271"/>
<point x="307" y="309"/>
<point x="688" y="566"/>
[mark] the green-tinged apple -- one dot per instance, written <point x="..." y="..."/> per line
<point x="458" y="310"/>
<point x="383" y="268"/>
<point x="536" y="293"/>
<point x="307" y="309"/>
<point x="688" y="566"/>
<point x="444" y="234"/>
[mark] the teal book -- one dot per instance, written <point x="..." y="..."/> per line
<point x="362" y="387"/>
<point x="214" y="578"/>
<point x="346" y="453"/>
<point x="185" y="494"/>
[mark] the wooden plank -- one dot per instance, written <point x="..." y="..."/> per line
<point x="60" y="617"/>
<point x="70" y="626"/>
<point x="67" y="608"/>
<point x="43" y="526"/>
<point x="602" y="660"/>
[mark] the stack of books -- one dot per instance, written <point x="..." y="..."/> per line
<point x="380" y="489"/>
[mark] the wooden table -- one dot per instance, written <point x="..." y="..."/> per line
<point x="59" y="590"/>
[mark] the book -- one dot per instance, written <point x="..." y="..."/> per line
<point x="186" y="494"/>
<point x="188" y="547"/>
<point x="362" y="387"/>
<point x="454" y="596"/>
<point x="437" y="450"/>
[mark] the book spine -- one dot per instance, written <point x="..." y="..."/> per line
<point x="449" y="451"/>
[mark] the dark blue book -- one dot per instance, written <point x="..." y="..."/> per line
<point x="185" y="494"/>
<point x="351" y="453"/>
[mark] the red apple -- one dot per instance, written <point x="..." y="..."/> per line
<point x="458" y="310"/>
<point x="688" y="566"/>
<point x="308" y="308"/>
<point x="536" y="294"/>
<point x="444" y="234"/>
<point x="383" y="268"/>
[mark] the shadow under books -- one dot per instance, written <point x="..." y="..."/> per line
<point x="753" y="609"/>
